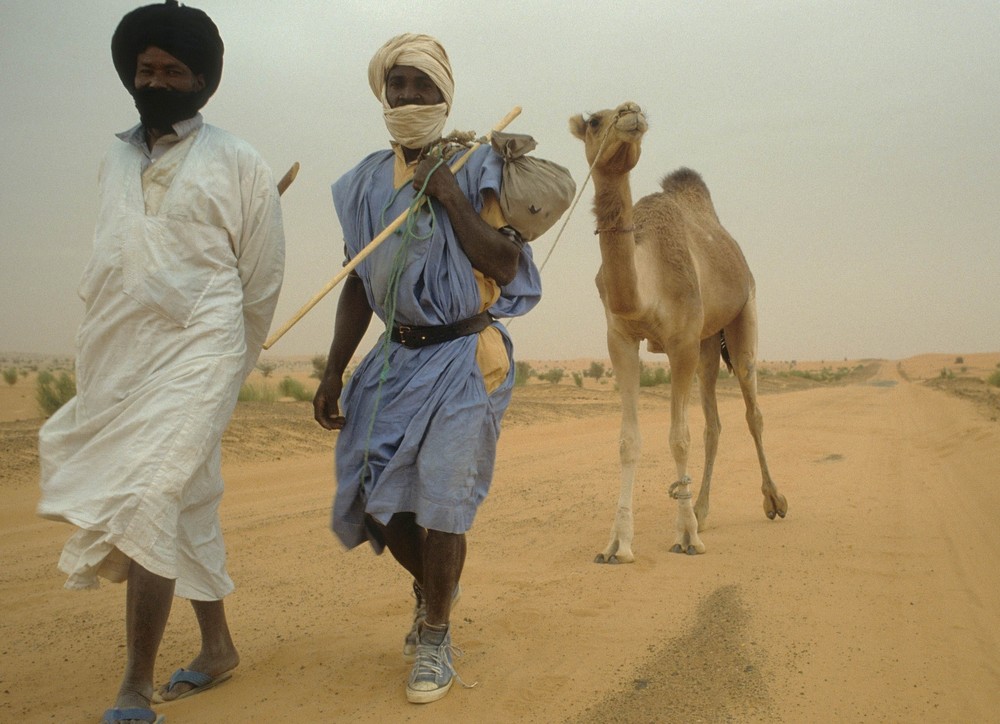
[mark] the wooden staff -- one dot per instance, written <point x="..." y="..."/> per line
<point x="287" y="179"/>
<point x="374" y="243"/>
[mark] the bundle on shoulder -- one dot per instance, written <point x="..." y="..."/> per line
<point x="535" y="191"/>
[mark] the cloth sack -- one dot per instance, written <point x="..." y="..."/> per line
<point x="535" y="192"/>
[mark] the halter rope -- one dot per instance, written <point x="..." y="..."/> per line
<point x="583" y="186"/>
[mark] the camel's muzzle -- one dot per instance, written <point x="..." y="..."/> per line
<point x="630" y="119"/>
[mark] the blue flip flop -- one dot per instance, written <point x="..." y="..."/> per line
<point x="133" y="713"/>
<point x="201" y="682"/>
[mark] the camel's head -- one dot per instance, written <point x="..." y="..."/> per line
<point x="613" y="138"/>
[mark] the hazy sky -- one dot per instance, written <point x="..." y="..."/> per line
<point x="852" y="148"/>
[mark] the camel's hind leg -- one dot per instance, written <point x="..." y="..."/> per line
<point x="708" y="375"/>
<point x="741" y="340"/>
<point x="624" y="354"/>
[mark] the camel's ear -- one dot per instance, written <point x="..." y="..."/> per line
<point x="578" y="127"/>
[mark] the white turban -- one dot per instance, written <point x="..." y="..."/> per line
<point x="413" y="126"/>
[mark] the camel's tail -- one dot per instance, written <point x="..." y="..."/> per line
<point x="725" y="351"/>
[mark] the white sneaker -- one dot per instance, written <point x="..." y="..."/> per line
<point x="419" y="614"/>
<point x="432" y="673"/>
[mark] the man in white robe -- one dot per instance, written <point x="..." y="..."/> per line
<point x="184" y="276"/>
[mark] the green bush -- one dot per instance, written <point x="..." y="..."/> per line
<point x="994" y="379"/>
<point x="827" y="374"/>
<point x="522" y="372"/>
<point x="294" y="389"/>
<point x="554" y="375"/>
<point x="652" y="376"/>
<point x="10" y="375"/>
<point x="578" y="379"/>
<point x="53" y="392"/>
<point x="263" y="392"/>
<point x="266" y="368"/>
<point x="319" y="366"/>
<point x="596" y="370"/>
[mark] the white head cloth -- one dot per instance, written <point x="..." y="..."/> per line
<point x="413" y="126"/>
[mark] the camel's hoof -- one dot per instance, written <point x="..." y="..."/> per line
<point x="692" y="551"/>
<point x="602" y="559"/>
<point x="775" y="507"/>
<point x="676" y="548"/>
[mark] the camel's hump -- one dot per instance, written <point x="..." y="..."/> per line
<point x="684" y="180"/>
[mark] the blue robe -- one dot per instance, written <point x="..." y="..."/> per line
<point x="426" y="442"/>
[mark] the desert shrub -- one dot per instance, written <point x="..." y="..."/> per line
<point x="522" y="372"/>
<point x="263" y="392"/>
<point x="946" y="374"/>
<point x="319" y="366"/>
<point x="960" y="360"/>
<point x="294" y="389"/>
<point x="596" y="370"/>
<point x="10" y="375"/>
<point x="652" y="376"/>
<point x="826" y="374"/>
<point x="553" y="375"/>
<point x="994" y="379"/>
<point x="53" y="392"/>
<point x="578" y="379"/>
<point x="266" y="368"/>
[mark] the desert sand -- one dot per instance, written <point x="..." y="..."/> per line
<point x="877" y="599"/>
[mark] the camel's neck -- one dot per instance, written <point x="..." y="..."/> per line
<point x="613" y="210"/>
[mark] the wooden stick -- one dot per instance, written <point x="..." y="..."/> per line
<point x="374" y="243"/>
<point x="287" y="179"/>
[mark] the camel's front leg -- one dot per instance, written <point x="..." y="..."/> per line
<point x="625" y="361"/>
<point x="619" y="548"/>
<point x="687" y="523"/>
<point x="682" y="368"/>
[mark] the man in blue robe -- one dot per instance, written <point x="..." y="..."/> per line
<point x="421" y="413"/>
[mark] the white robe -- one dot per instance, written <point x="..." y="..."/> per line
<point x="179" y="295"/>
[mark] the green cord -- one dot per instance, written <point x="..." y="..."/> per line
<point x="407" y="234"/>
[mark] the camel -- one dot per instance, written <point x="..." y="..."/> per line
<point x="672" y="275"/>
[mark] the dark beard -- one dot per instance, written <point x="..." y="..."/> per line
<point x="160" y="108"/>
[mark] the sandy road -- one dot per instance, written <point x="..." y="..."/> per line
<point x="876" y="599"/>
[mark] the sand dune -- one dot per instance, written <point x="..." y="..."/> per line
<point x="876" y="599"/>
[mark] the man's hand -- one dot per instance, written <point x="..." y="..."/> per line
<point x="441" y="183"/>
<point x="326" y="406"/>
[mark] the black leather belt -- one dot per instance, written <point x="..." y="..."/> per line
<point x="411" y="336"/>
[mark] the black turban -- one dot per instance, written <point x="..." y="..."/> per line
<point x="186" y="33"/>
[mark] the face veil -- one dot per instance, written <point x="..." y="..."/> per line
<point x="413" y="126"/>
<point x="186" y="33"/>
